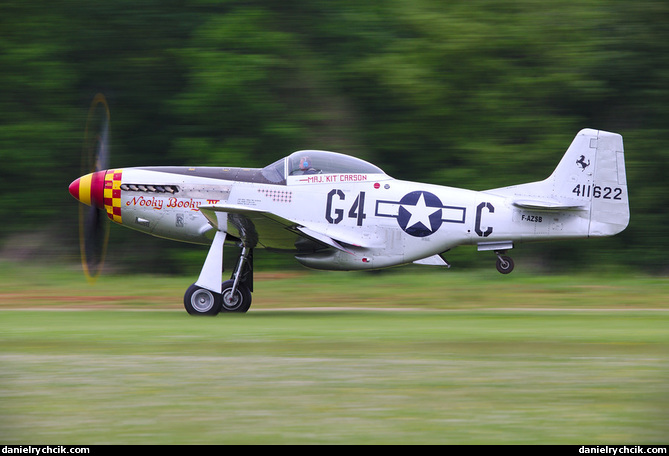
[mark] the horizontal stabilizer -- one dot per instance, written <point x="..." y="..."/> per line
<point x="548" y="205"/>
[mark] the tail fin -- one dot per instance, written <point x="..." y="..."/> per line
<point x="590" y="179"/>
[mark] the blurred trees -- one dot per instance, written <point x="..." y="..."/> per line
<point x="476" y="94"/>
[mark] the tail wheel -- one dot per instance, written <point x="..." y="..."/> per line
<point x="239" y="301"/>
<point x="504" y="264"/>
<point x="200" y="301"/>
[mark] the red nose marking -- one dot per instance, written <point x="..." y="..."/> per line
<point x="89" y="189"/>
<point x="98" y="189"/>
<point x="74" y="188"/>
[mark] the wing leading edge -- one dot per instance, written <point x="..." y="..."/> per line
<point x="272" y="231"/>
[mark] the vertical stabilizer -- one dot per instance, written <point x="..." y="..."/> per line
<point x="590" y="180"/>
<point x="592" y="173"/>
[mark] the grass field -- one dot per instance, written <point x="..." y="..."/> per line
<point x="412" y="356"/>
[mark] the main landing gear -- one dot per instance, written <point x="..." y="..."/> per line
<point x="234" y="295"/>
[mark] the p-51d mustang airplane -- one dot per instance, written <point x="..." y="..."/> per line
<point x="336" y="212"/>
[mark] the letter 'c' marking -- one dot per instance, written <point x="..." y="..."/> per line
<point x="477" y="226"/>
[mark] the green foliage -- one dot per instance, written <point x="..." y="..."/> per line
<point x="477" y="94"/>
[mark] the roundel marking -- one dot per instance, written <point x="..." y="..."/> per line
<point x="420" y="213"/>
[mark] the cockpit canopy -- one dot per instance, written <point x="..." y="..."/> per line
<point x="316" y="162"/>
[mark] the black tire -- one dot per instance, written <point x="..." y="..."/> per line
<point x="504" y="264"/>
<point x="240" y="302"/>
<point x="200" y="301"/>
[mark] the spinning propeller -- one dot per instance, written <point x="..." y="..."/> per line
<point x="93" y="219"/>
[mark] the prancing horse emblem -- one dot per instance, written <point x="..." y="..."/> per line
<point x="581" y="162"/>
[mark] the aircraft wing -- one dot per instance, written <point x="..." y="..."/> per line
<point x="256" y="226"/>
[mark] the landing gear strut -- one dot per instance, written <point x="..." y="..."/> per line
<point x="236" y="292"/>
<point x="504" y="263"/>
<point x="208" y="296"/>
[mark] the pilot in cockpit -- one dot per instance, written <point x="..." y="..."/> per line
<point x="306" y="166"/>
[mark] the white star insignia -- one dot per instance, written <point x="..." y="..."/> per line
<point x="420" y="213"/>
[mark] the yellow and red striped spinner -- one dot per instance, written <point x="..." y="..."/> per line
<point x="84" y="188"/>
<point x="101" y="189"/>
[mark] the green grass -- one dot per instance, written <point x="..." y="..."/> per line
<point x="402" y="357"/>
<point x="402" y="288"/>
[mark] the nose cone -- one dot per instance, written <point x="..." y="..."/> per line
<point x="89" y="189"/>
<point x="74" y="188"/>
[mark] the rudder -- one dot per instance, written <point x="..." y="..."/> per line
<point x="609" y="212"/>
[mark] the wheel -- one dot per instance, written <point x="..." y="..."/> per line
<point x="504" y="264"/>
<point x="200" y="301"/>
<point x="240" y="302"/>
